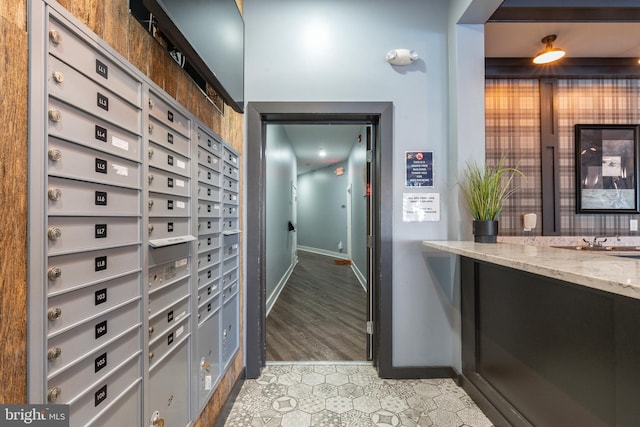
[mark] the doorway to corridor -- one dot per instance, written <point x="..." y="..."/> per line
<point x="317" y="291"/>
<point x="377" y="241"/>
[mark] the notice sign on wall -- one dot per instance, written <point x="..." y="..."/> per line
<point x="420" y="207"/>
<point x="419" y="168"/>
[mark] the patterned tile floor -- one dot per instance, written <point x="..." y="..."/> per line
<point x="350" y="395"/>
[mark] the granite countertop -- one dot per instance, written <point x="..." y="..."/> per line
<point x="608" y="273"/>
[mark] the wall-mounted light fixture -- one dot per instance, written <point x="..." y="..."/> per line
<point x="550" y="53"/>
<point x="401" y="56"/>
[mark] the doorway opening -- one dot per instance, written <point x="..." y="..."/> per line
<point x="378" y="118"/>
<point x="317" y="257"/>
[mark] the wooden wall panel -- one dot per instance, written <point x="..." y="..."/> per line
<point x="91" y="13"/>
<point x="13" y="209"/>
<point x="173" y="73"/>
<point x="110" y="20"/>
<point x="157" y="65"/>
<point x="139" y="45"/>
<point x="116" y="25"/>
<point x="15" y="12"/>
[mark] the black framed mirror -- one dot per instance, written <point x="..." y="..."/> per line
<point x="606" y="168"/>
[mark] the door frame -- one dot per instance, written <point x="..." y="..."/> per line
<point x="258" y="114"/>
<point x="349" y="229"/>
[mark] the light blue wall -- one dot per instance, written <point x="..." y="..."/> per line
<point x="333" y="50"/>
<point x="281" y="172"/>
<point x="356" y="170"/>
<point x="322" y="209"/>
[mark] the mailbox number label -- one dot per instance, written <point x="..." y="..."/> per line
<point x="170" y="137"/>
<point x="170" y="116"/>
<point x="170" y="227"/>
<point x="101" y="263"/>
<point x="101" y="329"/>
<point x="102" y="69"/>
<point x="170" y="205"/>
<point x="101" y="166"/>
<point x="170" y="316"/>
<point x="100" y="362"/>
<point x="101" y="198"/>
<point x="101" y="296"/>
<point x="170" y="339"/>
<point x="101" y="395"/>
<point x="103" y="102"/>
<point x="169" y="182"/>
<point x="170" y="160"/>
<point x="101" y="133"/>
<point x="101" y="231"/>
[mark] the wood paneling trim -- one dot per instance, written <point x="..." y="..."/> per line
<point x="223" y="393"/>
<point x="566" y="14"/>
<point x="524" y="68"/>
<point x="549" y="149"/>
<point x="13" y="211"/>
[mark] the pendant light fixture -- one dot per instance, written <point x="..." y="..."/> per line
<point x="550" y="53"/>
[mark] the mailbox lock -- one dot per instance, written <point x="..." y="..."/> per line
<point x="150" y="228"/>
<point x="54" y="115"/>
<point x="150" y="178"/>
<point x="156" y="420"/>
<point x="150" y="330"/>
<point x="53" y="394"/>
<point x="150" y="103"/>
<point x="150" y="152"/>
<point x="54" y="272"/>
<point x="54" y="353"/>
<point x="55" y="37"/>
<point x="150" y="355"/>
<point x="150" y="203"/>
<point x="54" y="154"/>
<point x="54" y="194"/>
<point x="204" y="364"/>
<point x="54" y="233"/>
<point x="150" y="128"/>
<point x="58" y="77"/>
<point x="54" y="313"/>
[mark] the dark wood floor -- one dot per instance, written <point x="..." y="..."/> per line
<point x="320" y="314"/>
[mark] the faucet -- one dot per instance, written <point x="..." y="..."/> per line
<point x="595" y="243"/>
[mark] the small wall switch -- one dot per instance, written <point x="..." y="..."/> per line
<point x="633" y="225"/>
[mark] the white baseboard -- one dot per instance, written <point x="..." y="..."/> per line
<point x="271" y="301"/>
<point x="338" y="255"/>
<point x="361" y="277"/>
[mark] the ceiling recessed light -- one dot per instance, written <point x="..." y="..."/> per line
<point x="322" y="152"/>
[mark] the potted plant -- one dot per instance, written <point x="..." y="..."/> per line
<point x="485" y="188"/>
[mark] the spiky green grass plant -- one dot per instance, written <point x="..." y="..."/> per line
<point x="485" y="188"/>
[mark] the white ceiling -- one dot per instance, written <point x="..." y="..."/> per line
<point x="307" y="140"/>
<point x="579" y="40"/>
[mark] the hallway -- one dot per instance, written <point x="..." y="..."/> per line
<point x="320" y="314"/>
